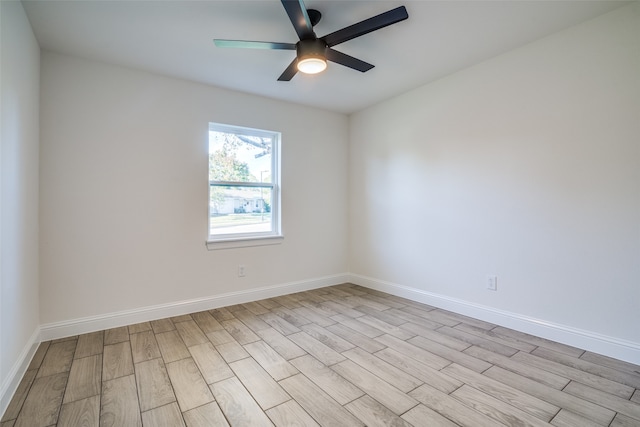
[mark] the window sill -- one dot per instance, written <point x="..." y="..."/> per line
<point x="246" y="242"/>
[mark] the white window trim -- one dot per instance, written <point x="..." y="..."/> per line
<point x="240" y="240"/>
<point x="245" y="242"/>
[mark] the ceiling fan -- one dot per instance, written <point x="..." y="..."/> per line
<point x="312" y="52"/>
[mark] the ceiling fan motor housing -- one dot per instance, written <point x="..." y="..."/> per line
<point x="311" y="48"/>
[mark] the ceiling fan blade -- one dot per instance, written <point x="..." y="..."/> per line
<point x="290" y="71"/>
<point x="299" y="18"/>
<point x="368" y="25"/>
<point x="253" y="45"/>
<point x="347" y="60"/>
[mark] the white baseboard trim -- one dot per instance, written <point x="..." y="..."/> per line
<point x="11" y="382"/>
<point x="609" y="346"/>
<point x="85" y="325"/>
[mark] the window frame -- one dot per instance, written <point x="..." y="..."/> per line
<point x="247" y="239"/>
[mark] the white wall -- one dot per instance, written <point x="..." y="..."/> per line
<point x="19" y="90"/>
<point x="124" y="191"/>
<point x="526" y="166"/>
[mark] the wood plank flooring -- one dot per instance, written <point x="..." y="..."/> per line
<point x="336" y="356"/>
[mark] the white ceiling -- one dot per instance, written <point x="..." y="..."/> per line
<point x="174" y="38"/>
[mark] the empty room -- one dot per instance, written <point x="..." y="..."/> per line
<point x="320" y="213"/>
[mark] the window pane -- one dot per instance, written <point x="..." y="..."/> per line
<point x="239" y="158"/>
<point x="236" y="210"/>
<point x="244" y="184"/>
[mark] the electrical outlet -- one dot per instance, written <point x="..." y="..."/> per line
<point x="492" y="283"/>
<point x="241" y="271"/>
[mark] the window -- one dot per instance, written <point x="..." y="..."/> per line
<point x="244" y="190"/>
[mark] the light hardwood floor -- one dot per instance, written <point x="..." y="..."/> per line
<point x="337" y="356"/>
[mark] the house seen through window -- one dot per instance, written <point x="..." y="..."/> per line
<point x="244" y="194"/>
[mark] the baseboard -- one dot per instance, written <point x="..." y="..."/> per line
<point x="586" y="340"/>
<point x="11" y="382"/>
<point x="85" y="325"/>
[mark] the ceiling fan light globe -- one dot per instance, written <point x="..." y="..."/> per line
<point x="312" y="65"/>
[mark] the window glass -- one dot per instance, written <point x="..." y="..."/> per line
<point x="243" y="183"/>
